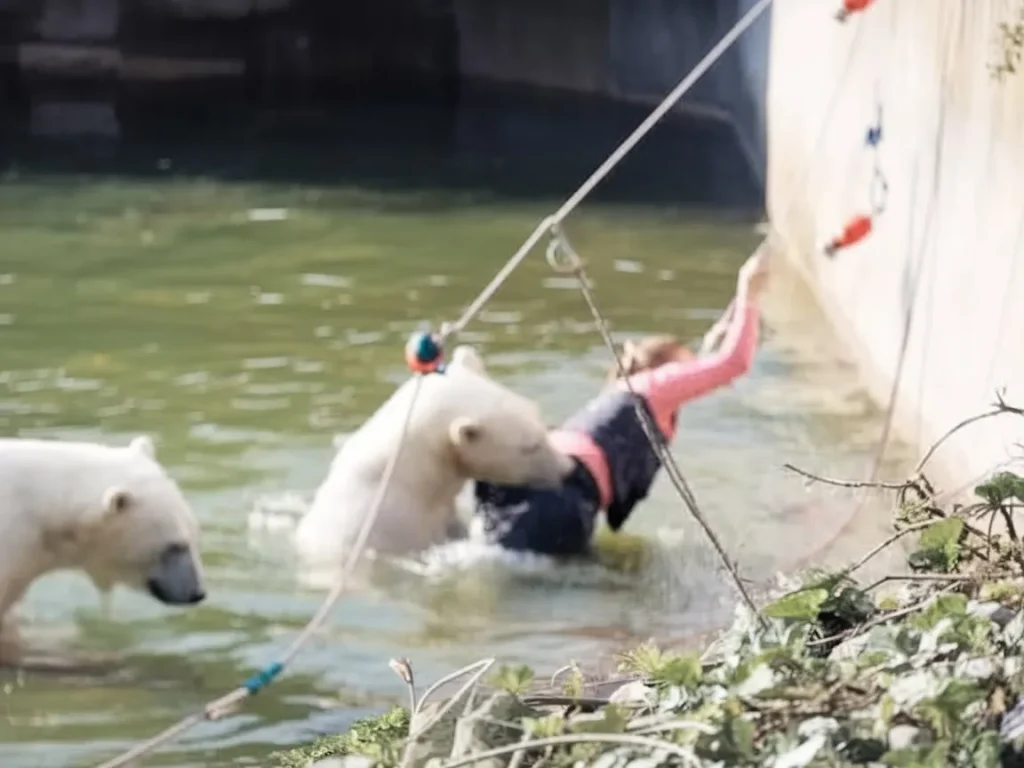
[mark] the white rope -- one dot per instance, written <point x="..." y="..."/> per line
<point x="563" y="258"/>
<point x="616" y="157"/>
<point x="219" y="707"/>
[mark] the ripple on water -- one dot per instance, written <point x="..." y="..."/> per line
<point x="244" y="396"/>
<point x="326" y="281"/>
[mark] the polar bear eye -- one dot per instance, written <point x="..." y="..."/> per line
<point x="117" y="501"/>
<point x="534" y="447"/>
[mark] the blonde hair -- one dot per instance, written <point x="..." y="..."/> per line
<point x="648" y="353"/>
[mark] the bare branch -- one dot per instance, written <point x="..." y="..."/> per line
<point x="847" y="483"/>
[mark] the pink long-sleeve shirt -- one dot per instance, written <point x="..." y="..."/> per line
<point x="670" y="386"/>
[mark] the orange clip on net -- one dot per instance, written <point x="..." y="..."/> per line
<point x="850" y="7"/>
<point x="856" y="230"/>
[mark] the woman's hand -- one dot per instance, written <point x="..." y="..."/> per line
<point x="753" y="275"/>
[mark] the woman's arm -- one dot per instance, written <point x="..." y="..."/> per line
<point x="669" y="386"/>
<point x="714" y="335"/>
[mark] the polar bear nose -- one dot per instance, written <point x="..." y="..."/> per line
<point x="175" y="579"/>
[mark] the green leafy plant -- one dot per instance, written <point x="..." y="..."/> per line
<point x="803" y="605"/>
<point x="939" y="546"/>
<point x="1001" y="488"/>
<point x="514" y="680"/>
<point x="573" y="683"/>
<point x="375" y="737"/>
<point x="544" y="727"/>
<point x="662" y="668"/>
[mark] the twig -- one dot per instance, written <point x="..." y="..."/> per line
<point x="1004" y="406"/>
<point x="563" y="258"/>
<point x="887" y="543"/>
<point x="1008" y="519"/>
<point x="848" y="483"/>
<point x="484" y="663"/>
<point x="891" y="616"/>
<point x="519" y="754"/>
<point x="1000" y="407"/>
<point x="578" y="738"/>
<point x="676" y="725"/>
<point x="403" y="668"/>
<point x="990" y="539"/>
<point x="480" y="668"/>
<point x="939" y="577"/>
<point x="553" y="700"/>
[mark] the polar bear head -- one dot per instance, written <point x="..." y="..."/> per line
<point x="137" y="529"/>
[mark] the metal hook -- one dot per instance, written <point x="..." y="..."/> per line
<point x="560" y="254"/>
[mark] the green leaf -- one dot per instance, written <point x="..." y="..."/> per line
<point x="514" y="680"/>
<point x="573" y="685"/>
<point x="543" y="727"/>
<point x="1000" y="488"/>
<point x="738" y="733"/>
<point x="803" y="605"/>
<point x="935" y="756"/>
<point x="614" y="720"/>
<point x="850" y="604"/>
<point x="939" y="546"/>
<point x="945" y="711"/>
<point x="952" y="606"/>
<point x="684" y="669"/>
<point x="985" y="751"/>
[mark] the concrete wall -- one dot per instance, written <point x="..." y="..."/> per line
<point x="948" y="249"/>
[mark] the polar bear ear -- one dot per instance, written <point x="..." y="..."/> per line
<point x="466" y="357"/>
<point x="465" y="432"/>
<point x="116" y="501"/>
<point x="143" y="444"/>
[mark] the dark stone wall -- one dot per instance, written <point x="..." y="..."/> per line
<point x="143" y="67"/>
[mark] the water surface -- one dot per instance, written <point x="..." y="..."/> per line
<point x="245" y="324"/>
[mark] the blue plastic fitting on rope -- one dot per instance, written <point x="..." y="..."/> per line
<point x="263" y="678"/>
<point x="424" y="353"/>
<point x="874" y="135"/>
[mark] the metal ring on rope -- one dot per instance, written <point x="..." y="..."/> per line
<point x="561" y="256"/>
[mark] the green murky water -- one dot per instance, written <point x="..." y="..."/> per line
<point x="157" y="304"/>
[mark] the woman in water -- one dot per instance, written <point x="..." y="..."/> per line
<point x="615" y="465"/>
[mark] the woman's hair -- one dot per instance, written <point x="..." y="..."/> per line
<point x="647" y="353"/>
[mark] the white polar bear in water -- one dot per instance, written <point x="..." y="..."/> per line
<point x="464" y="426"/>
<point x="111" y="512"/>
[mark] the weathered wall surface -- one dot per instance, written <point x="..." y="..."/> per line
<point x="947" y="252"/>
<point x="291" y="53"/>
<point x="636" y="50"/>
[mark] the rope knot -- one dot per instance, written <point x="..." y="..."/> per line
<point x="424" y="353"/>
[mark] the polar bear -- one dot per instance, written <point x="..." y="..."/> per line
<point x="111" y="512"/>
<point x="464" y="426"/>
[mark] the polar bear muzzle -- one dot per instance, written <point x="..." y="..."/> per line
<point x="175" y="578"/>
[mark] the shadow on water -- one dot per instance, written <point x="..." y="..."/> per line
<point x="500" y="144"/>
<point x="138" y="293"/>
